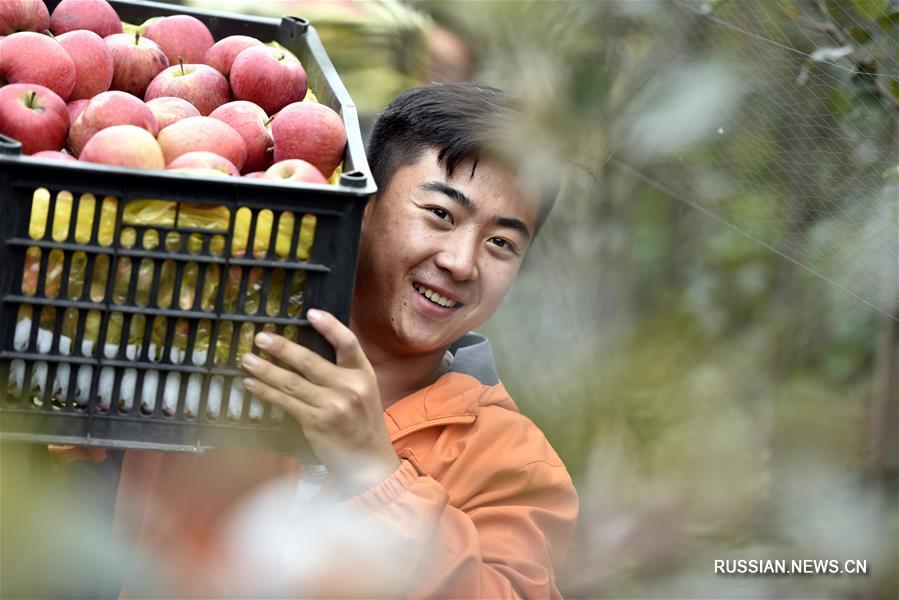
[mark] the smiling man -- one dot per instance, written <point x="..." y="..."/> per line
<point x="412" y="422"/>
<point x="440" y="486"/>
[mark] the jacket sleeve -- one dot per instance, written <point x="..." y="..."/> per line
<point x="505" y="541"/>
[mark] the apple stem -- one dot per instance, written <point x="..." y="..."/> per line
<point x="30" y="101"/>
<point x="50" y="33"/>
<point x="269" y="120"/>
<point x="181" y="62"/>
<point x="136" y="37"/>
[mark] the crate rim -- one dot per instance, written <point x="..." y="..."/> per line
<point x="347" y="186"/>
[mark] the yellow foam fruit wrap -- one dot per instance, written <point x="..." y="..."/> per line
<point x="217" y="218"/>
<point x="162" y="213"/>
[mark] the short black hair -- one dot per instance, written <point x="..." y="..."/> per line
<point x="460" y="120"/>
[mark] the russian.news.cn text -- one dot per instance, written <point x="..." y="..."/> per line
<point x="807" y="566"/>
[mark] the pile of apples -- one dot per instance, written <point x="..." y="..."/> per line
<point x="164" y="95"/>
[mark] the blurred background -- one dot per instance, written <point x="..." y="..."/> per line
<point x="706" y="328"/>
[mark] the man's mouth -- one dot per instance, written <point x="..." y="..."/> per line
<point x="435" y="297"/>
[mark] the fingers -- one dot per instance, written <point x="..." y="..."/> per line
<point x="346" y="345"/>
<point x="284" y="381"/>
<point x="300" y="411"/>
<point x="304" y="361"/>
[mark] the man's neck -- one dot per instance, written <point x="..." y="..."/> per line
<point x="399" y="376"/>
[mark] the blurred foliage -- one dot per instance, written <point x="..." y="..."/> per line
<point x="706" y="326"/>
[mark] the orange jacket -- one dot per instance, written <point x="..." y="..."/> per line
<point x="481" y="505"/>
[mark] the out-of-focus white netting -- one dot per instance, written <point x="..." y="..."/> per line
<point x="788" y="132"/>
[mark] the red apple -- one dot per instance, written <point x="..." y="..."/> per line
<point x="33" y="115"/>
<point x="271" y="78"/>
<point x="95" y="15"/>
<point x="53" y="155"/>
<point x="249" y="120"/>
<point x="23" y="15"/>
<point x="76" y="107"/>
<point x="201" y="85"/>
<point x="124" y="146"/>
<point x="204" y="160"/>
<point x="200" y="171"/>
<point x="295" y="169"/>
<point x="29" y="57"/>
<point x="137" y="61"/>
<point x="312" y="132"/>
<point x="203" y="133"/>
<point x="93" y="62"/>
<point x="224" y="51"/>
<point x="169" y="109"/>
<point x="181" y="37"/>
<point x="106" y="110"/>
<point x="143" y="26"/>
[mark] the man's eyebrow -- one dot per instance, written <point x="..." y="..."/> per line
<point x="451" y="192"/>
<point x="516" y="224"/>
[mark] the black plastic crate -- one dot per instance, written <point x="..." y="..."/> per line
<point x="136" y="326"/>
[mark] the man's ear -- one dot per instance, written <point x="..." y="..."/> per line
<point x="369" y="206"/>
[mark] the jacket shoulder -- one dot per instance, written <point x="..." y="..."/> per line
<point x="514" y="435"/>
<point x="500" y="454"/>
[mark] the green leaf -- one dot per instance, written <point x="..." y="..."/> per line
<point x="890" y="17"/>
<point x="840" y="104"/>
<point x="860" y="35"/>
<point x="873" y="9"/>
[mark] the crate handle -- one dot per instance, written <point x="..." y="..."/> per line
<point x="353" y="179"/>
<point x="9" y="146"/>
<point x="299" y="24"/>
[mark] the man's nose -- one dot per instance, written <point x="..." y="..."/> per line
<point x="460" y="260"/>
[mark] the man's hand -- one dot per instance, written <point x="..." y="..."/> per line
<point x="337" y="405"/>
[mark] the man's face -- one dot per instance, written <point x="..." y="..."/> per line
<point x="459" y="241"/>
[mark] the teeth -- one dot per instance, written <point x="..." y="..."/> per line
<point x="434" y="296"/>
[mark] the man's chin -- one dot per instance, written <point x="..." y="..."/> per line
<point x="421" y="343"/>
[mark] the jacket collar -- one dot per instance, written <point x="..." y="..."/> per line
<point x="472" y="355"/>
<point x="457" y="396"/>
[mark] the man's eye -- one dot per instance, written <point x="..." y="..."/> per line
<point x="503" y="243"/>
<point x="442" y="214"/>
